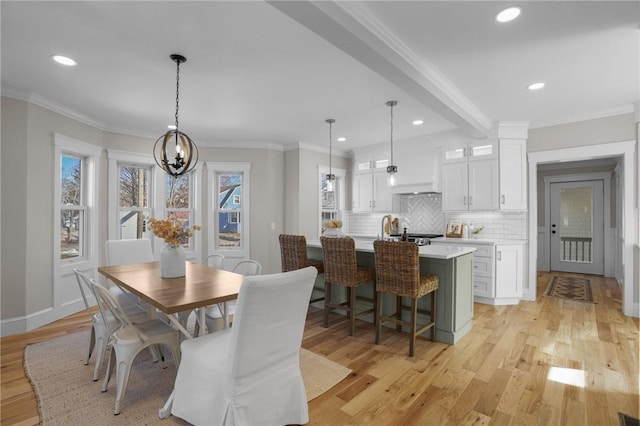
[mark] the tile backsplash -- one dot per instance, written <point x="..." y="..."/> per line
<point x="422" y="213"/>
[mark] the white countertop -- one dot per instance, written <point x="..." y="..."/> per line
<point x="439" y="251"/>
<point x="488" y="241"/>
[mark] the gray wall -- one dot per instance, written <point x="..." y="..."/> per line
<point x="27" y="204"/>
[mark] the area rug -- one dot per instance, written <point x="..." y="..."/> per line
<point x="67" y="396"/>
<point x="571" y="288"/>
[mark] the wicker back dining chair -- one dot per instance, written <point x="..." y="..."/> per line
<point x="340" y="268"/>
<point x="398" y="273"/>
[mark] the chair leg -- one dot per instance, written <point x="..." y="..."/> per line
<point x="101" y="351"/>
<point x="412" y="335"/>
<point x="352" y="310"/>
<point x="124" y="358"/>
<point x="92" y="345"/>
<point x="327" y="300"/>
<point x="378" y="316"/>
<point x="109" y="372"/>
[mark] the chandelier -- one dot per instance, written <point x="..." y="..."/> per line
<point x="330" y="178"/>
<point x="391" y="168"/>
<point x="175" y="152"/>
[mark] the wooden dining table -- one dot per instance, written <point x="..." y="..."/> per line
<point x="200" y="287"/>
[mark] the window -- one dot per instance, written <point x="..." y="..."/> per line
<point x="229" y="214"/>
<point x="72" y="208"/>
<point x="75" y="187"/>
<point x="229" y="194"/>
<point x="331" y="202"/>
<point x="133" y="195"/>
<point x="178" y="202"/>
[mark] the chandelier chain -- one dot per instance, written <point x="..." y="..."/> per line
<point x="177" y="91"/>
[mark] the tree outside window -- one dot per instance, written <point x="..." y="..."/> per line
<point x="134" y="200"/>
<point x="178" y="202"/>
<point x="72" y="209"/>
<point x="229" y="209"/>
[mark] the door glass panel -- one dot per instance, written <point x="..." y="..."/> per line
<point x="576" y="225"/>
<point x="454" y="154"/>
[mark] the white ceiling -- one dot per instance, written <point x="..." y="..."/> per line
<point x="270" y="73"/>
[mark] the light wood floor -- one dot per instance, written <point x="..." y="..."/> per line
<point x="511" y="369"/>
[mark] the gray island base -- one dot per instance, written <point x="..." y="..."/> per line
<point x="454" y="298"/>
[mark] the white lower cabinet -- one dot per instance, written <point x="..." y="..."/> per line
<point x="509" y="270"/>
<point x="498" y="270"/>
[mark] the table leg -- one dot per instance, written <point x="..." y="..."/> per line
<point x="225" y="314"/>
<point x="203" y="321"/>
<point x="176" y="322"/>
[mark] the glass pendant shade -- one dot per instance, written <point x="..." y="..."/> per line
<point x="175" y="152"/>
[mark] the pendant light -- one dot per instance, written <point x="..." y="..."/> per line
<point x="391" y="168"/>
<point x="330" y="178"/>
<point x="175" y="152"/>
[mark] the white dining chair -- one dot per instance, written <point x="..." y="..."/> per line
<point x="214" y="261"/>
<point x="249" y="374"/>
<point x="123" y="252"/>
<point x="101" y="332"/>
<point x="214" y="315"/>
<point x="129" y="339"/>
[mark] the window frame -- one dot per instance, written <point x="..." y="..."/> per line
<point x="232" y="254"/>
<point x="157" y="201"/>
<point x="89" y="154"/>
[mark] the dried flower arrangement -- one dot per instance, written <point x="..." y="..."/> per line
<point x="332" y="224"/>
<point x="171" y="231"/>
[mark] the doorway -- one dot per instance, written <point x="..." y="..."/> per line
<point x="576" y="239"/>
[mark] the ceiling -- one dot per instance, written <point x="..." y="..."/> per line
<point x="270" y="73"/>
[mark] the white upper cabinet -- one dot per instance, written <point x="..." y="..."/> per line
<point x="470" y="177"/>
<point x="370" y="190"/>
<point x="496" y="176"/>
<point x="513" y="174"/>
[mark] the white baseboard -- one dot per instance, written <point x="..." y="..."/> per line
<point x="32" y="321"/>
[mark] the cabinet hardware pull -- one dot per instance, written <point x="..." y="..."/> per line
<point x="464" y="152"/>
<point x="464" y="200"/>
<point x="470" y="200"/>
<point x="499" y="255"/>
<point x="503" y="199"/>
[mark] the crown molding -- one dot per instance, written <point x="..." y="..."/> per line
<point x="624" y="109"/>
<point x="315" y="148"/>
<point x="53" y="106"/>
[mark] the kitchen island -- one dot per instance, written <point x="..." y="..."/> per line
<point x="454" y="298"/>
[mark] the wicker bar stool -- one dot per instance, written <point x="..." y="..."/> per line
<point x="398" y="273"/>
<point x="293" y="252"/>
<point x="340" y="268"/>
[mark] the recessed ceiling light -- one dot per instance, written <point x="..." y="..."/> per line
<point x="171" y="127"/>
<point x="64" y="60"/>
<point x="341" y="139"/>
<point x="417" y="122"/>
<point x="536" y="86"/>
<point x="508" y="14"/>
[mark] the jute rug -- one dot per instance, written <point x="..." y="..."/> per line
<point x="67" y="395"/>
<point x="570" y="288"/>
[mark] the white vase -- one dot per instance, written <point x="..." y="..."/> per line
<point x="332" y="232"/>
<point x="172" y="261"/>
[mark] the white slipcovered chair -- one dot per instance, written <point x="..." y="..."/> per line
<point x="214" y="315"/>
<point x="129" y="339"/>
<point x="101" y="332"/>
<point x="249" y="374"/>
<point x="123" y="252"/>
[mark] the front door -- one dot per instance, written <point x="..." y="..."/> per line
<point x="577" y="227"/>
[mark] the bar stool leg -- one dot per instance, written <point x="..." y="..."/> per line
<point x="398" y="312"/>
<point x="414" y="314"/>
<point x="378" y="316"/>
<point x="433" y="315"/>
<point x="352" y="310"/>
<point x="327" y="300"/>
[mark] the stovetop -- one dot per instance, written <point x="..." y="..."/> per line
<point x="417" y="235"/>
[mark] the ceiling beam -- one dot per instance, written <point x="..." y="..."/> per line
<point x="352" y="28"/>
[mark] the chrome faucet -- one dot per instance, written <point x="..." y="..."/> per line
<point x="388" y="218"/>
